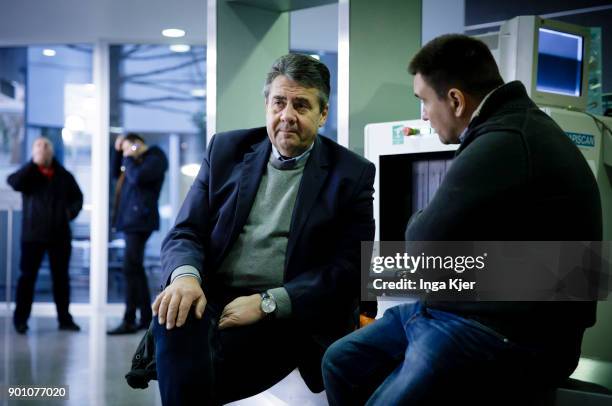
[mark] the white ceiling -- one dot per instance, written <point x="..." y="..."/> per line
<point x="85" y="21"/>
<point x="24" y="22"/>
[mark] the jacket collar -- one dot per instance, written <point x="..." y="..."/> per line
<point x="313" y="179"/>
<point x="253" y="167"/>
<point x="510" y="96"/>
<point x="57" y="167"/>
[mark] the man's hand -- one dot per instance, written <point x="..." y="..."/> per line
<point x="130" y="149"/>
<point x="118" y="143"/>
<point x="175" y="302"/>
<point x="242" y="311"/>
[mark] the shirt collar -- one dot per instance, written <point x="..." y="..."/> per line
<point x="476" y="113"/>
<point x="298" y="158"/>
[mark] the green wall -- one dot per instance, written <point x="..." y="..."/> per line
<point x="249" y="39"/>
<point x="384" y="35"/>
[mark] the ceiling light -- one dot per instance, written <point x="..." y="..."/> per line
<point x="316" y="56"/>
<point x="173" y="33"/>
<point x="180" y="48"/>
<point x="49" y="52"/>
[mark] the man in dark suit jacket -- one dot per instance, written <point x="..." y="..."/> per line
<point x="266" y="248"/>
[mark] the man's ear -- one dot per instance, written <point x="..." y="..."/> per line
<point x="457" y="100"/>
<point x="324" y="115"/>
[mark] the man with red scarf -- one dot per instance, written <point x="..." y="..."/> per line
<point x="51" y="199"/>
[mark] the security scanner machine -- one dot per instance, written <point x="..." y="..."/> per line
<point x="550" y="58"/>
<point x="409" y="170"/>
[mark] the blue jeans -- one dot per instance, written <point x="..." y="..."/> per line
<point x="419" y="356"/>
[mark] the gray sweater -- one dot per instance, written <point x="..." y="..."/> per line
<point x="257" y="258"/>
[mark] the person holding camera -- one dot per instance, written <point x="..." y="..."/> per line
<point x="139" y="170"/>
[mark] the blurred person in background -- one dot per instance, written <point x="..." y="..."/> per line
<point x="139" y="170"/>
<point x="51" y="199"/>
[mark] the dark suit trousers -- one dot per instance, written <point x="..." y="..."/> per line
<point x="137" y="295"/>
<point x="32" y="254"/>
<point x="198" y="364"/>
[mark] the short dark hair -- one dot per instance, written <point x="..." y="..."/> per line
<point x="456" y="60"/>
<point x="303" y="69"/>
<point x="133" y="137"/>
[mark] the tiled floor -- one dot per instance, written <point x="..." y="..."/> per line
<point x="93" y="365"/>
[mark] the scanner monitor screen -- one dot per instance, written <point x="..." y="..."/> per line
<point x="549" y="57"/>
<point x="560" y="59"/>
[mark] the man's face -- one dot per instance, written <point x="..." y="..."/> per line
<point x="293" y="116"/>
<point x="131" y="148"/>
<point x="439" y="111"/>
<point x="42" y="151"/>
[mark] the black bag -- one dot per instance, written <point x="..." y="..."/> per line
<point x="143" y="362"/>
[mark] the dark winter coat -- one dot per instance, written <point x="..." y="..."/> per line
<point x="136" y="210"/>
<point x="48" y="204"/>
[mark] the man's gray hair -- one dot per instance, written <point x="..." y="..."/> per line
<point x="46" y="140"/>
<point x="303" y="69"/>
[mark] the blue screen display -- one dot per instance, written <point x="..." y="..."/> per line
<point x="559" y="63"/>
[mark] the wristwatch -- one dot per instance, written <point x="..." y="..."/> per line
<point x="268" y="304"/>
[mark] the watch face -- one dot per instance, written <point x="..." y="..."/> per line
<point x="268" y="305"/>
